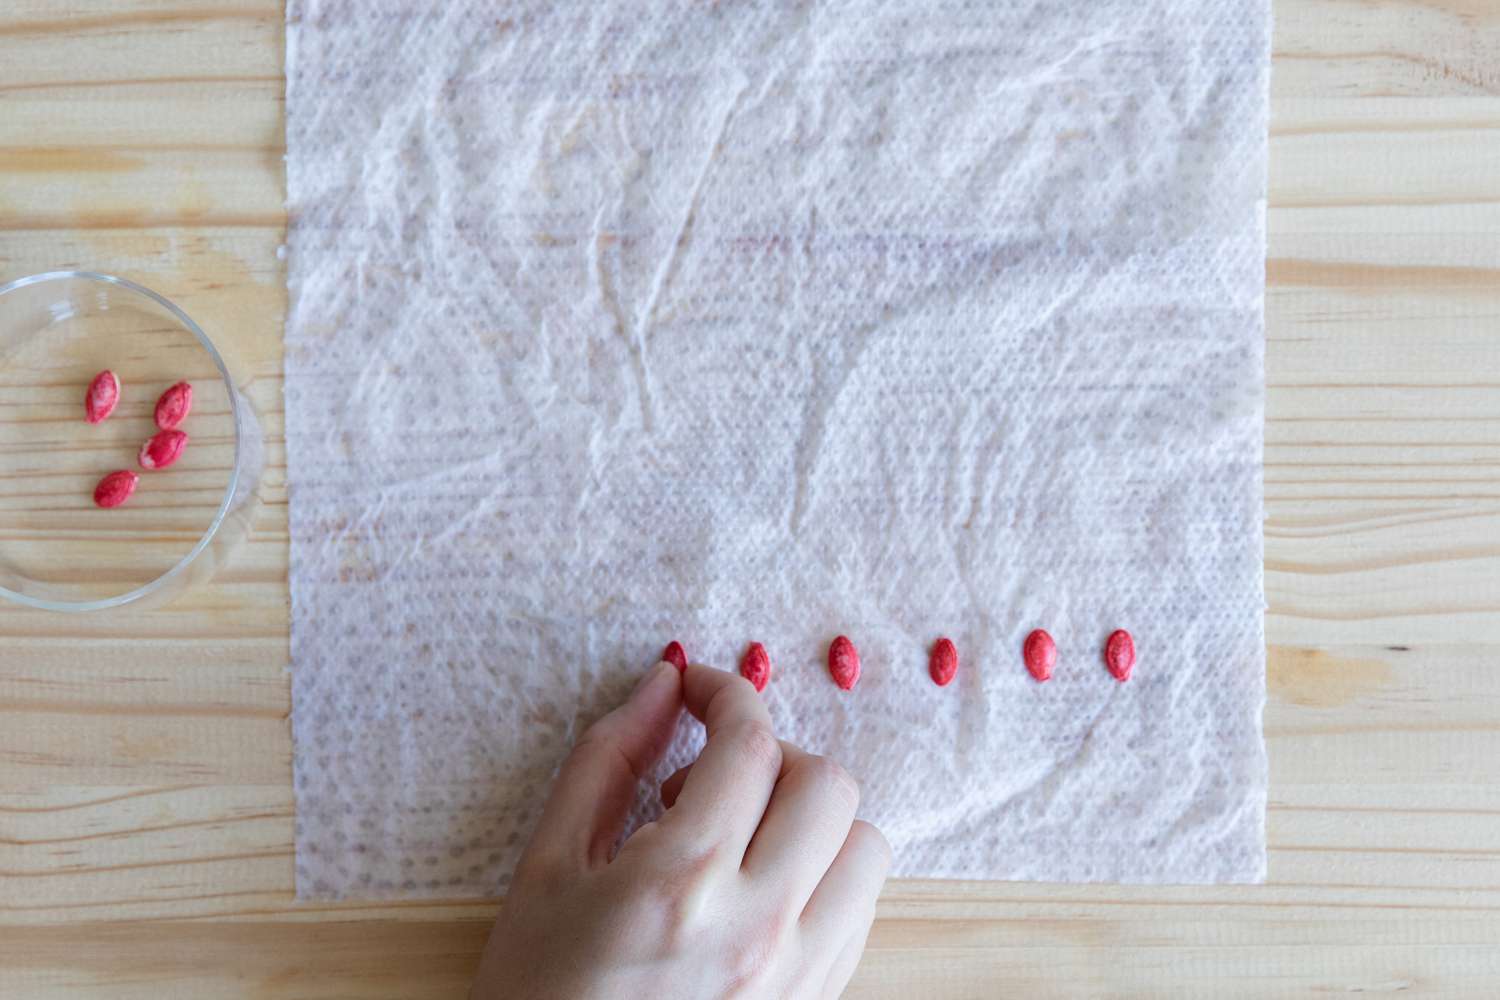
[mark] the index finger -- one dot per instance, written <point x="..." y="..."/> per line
<point x="597" y="783"/>
<point x="725" y="795"/>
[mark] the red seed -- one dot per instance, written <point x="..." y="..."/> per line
<point x="843" y="663"/>
<point x="115" y="488"/>
<point x="943" y="663"/>
<point x="1119" y="655"/>
<point x="173" y="406"/>
<point x="1041" y="654"/>
<point x="756" y="666"/>
<point x="162" y="450"/>
<point x="103" y="395"/>
<point x="675" y="655"/>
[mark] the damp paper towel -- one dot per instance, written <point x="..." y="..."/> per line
<point x="614" y="323"/>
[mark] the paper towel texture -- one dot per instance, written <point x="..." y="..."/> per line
<point x="615" y="322"/>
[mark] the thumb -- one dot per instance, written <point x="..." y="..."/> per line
<point x="597" y="783"/>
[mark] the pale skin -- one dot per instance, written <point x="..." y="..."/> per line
<point x="757" y="882"/>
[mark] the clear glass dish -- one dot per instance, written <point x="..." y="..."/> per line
<point x="60" y="552"/>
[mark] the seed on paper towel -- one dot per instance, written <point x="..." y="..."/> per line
<point x="1119" y="655"/>
<point x="103" y="395"/>
<point x="843" y="663"/>
<point x="162" y="449"/>
<point x="115" y="488"/>
<point x="756" y="666"/>
<point x="943" y="663"/>
<point x="1041" y="654"/>
<point x="173" y="406"/>
<point x="675" y="655"/>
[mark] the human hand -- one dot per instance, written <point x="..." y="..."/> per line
<point x="757" y="882"/>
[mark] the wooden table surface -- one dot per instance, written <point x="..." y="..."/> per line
<point x="145" y="759"/>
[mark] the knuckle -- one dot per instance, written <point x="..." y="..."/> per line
<point x="831" y="775"/>
<point x="593" y="738"/>
<point x="543" y="868"/>
<point x="677" y="894"/>
<point x="600" y="746"/>
<point x="590" y="750"/>
<point x="756" y="742"/>
<point x="750" y="957"/>
<point x="739" y="687"/>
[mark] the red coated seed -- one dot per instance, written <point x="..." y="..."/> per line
<point x="103" y="395"/>
<point x="1041" y="654"/>
<point x="115" y="488"/>
<point x="843" y="663"/>
<point x="173" y="406"/>
<point x="1119" y="655"/>
<point x="675" y="655"/>
<point x="162" y="450"/>
<point x="943" y="663"/>
<point x="756" y="666"/>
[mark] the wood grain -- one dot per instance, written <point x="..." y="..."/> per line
<point x="145" y="799"/>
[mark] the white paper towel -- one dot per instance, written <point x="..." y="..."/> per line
<point x="614" y="323"/>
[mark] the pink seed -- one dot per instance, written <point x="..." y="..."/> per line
<point x="943" y="663"/>
<point x="162" y="450"/>
<point x="1119" y="655"/>
<point x="115" y="488"/>
<point x="173" y="406"/>
<point x="675" y="655"/>
<point x="103" y="395"/>
<point x="756" y="666"/>
<point x="1041" y="654"/>
<point x="843" y="663"/>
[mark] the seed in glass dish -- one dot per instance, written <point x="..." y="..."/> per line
<point x="162" y="449"/>
<point x="115" y="488"/>
<point x="173" y="406"/>
<point x="102" y="398"/>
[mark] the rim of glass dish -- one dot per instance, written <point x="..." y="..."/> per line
<point x="234" y="472"/>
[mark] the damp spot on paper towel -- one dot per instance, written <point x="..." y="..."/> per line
<point x="1316" y="679"/>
